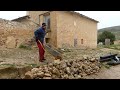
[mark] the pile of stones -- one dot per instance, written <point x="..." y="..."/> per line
<point x="65" y="69"/>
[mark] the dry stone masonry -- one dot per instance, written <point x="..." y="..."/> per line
<point x="13" y="33"/>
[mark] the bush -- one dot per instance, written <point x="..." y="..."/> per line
<point x="24" y="47"/>
<point x="106" y="35"/>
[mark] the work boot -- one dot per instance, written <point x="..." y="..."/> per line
<point x="44" y="59"/>
<point x="41" y="60"/>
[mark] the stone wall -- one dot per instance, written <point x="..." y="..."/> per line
<point x="68" y="29"/>
<point x="74" y="29"/>
<point x="117" y="42"/>
<point x="34" y="15"/>
<point x="52" y="36"/>
<point x="13" y="33"/>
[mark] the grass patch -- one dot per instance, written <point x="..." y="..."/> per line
<point x="105" y="65"/>
<point x="33" y="65"/>
<point x="116" y="47"/>
<point x="67" y="50"/>
<point x="11" y="65"/>
<point x="25" y="47"/>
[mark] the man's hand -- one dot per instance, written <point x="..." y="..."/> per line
<point x="47" y="31"/>
<point x="36" y="39"/>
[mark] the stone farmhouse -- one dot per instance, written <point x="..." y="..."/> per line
<point x="66" y="28"/>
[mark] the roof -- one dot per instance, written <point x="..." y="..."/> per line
<point x="20" y="18"/>
<point x="83" y="16"/>
<point x="27" y="16"/>
<point x="80" y="15"/>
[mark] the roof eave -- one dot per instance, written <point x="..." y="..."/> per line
<point x="21" y="18"/>
<point x="84" y="16"/>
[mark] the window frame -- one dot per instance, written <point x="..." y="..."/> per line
<point x="45" y="21"/>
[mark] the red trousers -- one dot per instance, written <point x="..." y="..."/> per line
<point x="41" y="50"/>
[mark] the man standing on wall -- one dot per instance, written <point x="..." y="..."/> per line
<point x="40" y="35"/>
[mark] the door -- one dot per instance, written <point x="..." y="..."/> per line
<point x="75" y="42"/>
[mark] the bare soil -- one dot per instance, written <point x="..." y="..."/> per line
<point x="21" y="57"/>
<point x="111" y="73"/>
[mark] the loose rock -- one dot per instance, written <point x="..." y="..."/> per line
<point x="28" y="75"/>
<point x="68" y="69"/>
<point x="47" y="75"/>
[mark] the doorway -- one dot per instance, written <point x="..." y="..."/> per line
<point x="75" y="42"/>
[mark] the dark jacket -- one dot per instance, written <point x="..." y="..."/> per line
<point x="40" y="34"/>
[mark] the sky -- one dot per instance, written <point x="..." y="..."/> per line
<point x="105" y="18"/>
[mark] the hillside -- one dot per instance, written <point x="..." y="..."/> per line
<point x="115" y="30"/>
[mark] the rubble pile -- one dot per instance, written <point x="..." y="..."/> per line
<point x="14" y="33"/>
<point x="66" y="69"/>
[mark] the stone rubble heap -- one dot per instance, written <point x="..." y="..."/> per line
<point x="66" y="69"/>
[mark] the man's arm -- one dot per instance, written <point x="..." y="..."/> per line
<point x="46" y="31"/>
<point x="36" y="34"/>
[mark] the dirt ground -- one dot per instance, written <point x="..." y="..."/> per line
<point x="111" y="73"/>
<point x="22" y="57"/>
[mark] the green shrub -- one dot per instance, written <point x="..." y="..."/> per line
<point x="25" y="47"/>
<point x="106" y="35"/>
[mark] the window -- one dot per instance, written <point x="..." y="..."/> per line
<point x="81" y="41"/>
<point x="47" y="20"/>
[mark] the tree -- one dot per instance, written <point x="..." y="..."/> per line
<point x="106" y="35"/>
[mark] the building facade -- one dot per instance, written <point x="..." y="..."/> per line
<point x="67" y="28"/>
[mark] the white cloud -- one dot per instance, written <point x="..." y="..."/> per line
<point x="105" y="18"/>
<point x="9" y="15"/>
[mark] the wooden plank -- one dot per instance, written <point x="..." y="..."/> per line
<point x="53" y="52"/>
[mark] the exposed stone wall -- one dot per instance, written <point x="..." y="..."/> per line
<point x="71" y="26"/>
<point x="34" y="16"/>
<point x="68" y="28"/>
<point x="29" y="24"/>
<point x="53" y="33"/>
<point x="13" y="33"/>
<point x="117" y="42"/>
